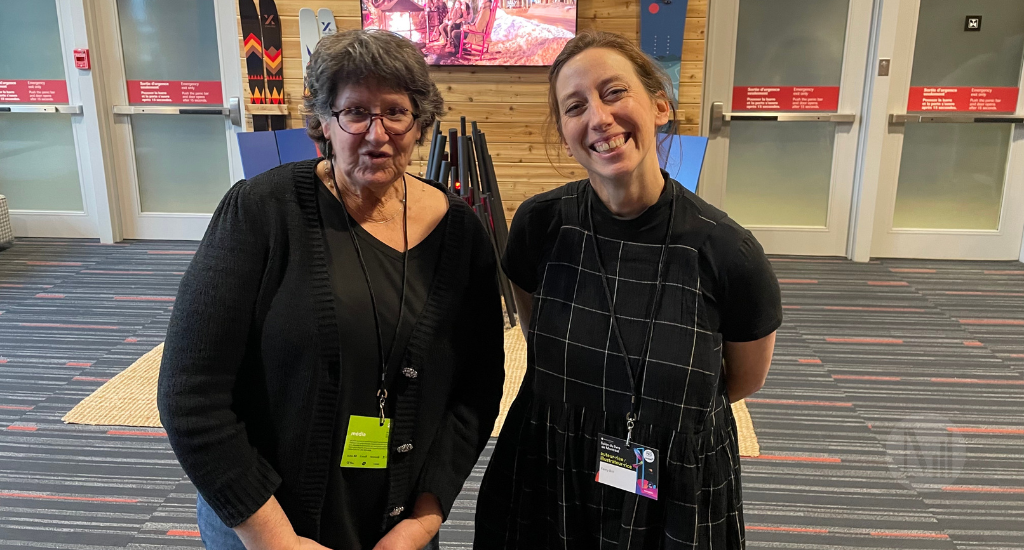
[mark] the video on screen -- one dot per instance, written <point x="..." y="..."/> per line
<point x="478" y="32"/>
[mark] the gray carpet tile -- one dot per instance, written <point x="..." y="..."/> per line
<point x="893" y="416"/>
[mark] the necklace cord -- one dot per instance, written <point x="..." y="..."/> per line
<point x="635" y="376"/>
<point x="382" y="392"/>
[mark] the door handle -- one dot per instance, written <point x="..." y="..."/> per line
<point x="63" y="109"/>
<point x="958" y="118"/>
<point x="718" y="117"/>
<point x="235" y="110"/>
<point x="133" y="110"/>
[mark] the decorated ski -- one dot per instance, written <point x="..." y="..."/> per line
<point x="309" y="35"/>
<point x="326" y="19"/>
<point x="253" y="48"/>
<point x="273" y="61"/>
<point x="661" y="34"/>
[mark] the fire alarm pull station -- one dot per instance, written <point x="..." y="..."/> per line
<point x="82" y="58"/>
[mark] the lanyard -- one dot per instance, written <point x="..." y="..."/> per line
<point x="382" y="392"/>
<point x="635" y="375"/>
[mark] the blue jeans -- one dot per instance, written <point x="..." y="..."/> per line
<point x="217" y="536"/>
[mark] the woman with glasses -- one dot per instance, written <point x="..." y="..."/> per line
<point x="334" y="361"/>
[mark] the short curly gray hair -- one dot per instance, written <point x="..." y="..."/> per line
<point x="368" y="56"/>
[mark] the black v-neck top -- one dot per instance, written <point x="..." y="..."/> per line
<point x="356" y="498"/>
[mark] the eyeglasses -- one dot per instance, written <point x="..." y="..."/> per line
<point x="356" y="121"/>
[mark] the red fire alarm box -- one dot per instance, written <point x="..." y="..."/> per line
<point x="82" y="58"/>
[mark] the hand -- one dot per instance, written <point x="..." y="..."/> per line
<point x="269" y="529"/>
<point x="418" y="530"/>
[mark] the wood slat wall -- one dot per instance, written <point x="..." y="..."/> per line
<point x="509" y="102"/>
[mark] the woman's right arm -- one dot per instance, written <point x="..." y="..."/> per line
<point x="207" y="339"/>
<point x="269" y="529"/>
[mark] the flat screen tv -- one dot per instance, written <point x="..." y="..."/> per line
<point x="478" y="32"/>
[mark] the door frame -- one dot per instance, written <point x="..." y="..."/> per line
<point x="899" y="29"/>
<point x="91" y="221"/>
<point x="133" y="223"/>
<point x="831" y="240"/>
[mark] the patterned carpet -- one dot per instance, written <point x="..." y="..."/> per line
<point x="893" y="416"/>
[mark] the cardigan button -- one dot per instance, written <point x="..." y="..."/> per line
<point x="396" y="511"/>
<point x="410" y="372"/>
<point x="404" y="448"/>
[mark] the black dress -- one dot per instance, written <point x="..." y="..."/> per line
<point x="356" y="498"/>
<point x="539" y="490"/>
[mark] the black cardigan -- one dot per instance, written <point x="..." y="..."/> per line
<point x="248" y="387"/>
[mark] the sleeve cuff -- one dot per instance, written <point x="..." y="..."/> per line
<point x="237" y="500"/>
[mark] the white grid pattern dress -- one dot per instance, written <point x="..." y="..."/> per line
<point x="540" y="490"/>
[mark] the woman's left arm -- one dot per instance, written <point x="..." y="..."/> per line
<point x="750" y="304"/>
<point x="746" y="366"/>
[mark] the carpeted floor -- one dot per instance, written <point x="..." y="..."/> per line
<point x="893" y="416"/>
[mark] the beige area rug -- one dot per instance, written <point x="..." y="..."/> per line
<point x="129" y="399"/>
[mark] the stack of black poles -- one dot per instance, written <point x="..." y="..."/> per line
<point x="467" y="171"/>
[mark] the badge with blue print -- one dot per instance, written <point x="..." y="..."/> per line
<point x="628" y="466"/>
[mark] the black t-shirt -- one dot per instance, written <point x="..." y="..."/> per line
<point x="737" y="280"/>
<point x="356" y="498"/>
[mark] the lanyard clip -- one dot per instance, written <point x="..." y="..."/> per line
<point x="383" y="395"/>
<point x="630" y="422"/>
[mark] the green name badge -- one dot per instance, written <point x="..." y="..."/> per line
<point x="366" y="443"/>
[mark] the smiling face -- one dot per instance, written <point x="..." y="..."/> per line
<point x="375" y="159"/>
<point x="608" y="119"/>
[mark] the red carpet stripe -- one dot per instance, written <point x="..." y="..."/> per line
<point x="977" y="381"/>
<point x="910" y="535"/>
<point x="878" y="378"/>
<point x="115" y="272"/>
<point x="146" y="298"/>
<point x="881" y="309"/>
<point x="128" y="432"/>
<point x="864" y="340"/>
<point x="825" y="459"/>
<point x="787" y="529"/>
<point x="979" y="489"/>
<point x="973" y="343"/>
<point x="973" y="293"/>
<point x="810" y="361"/>
<point x="22" y="428"/>
<point x="888" y="283"/>
<point x="77" y="364"/>
<point x="1007" y="322"/>
<point x="68" y="497"/>
<point x="985" y="431"/>
<point x="797" y="402"/>
<point x="63" y="325"/>
<point x="44" y="295"/>
<point x="181" y="533"/>
<point x="15" y="407"/>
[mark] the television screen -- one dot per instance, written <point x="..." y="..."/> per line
<point x="478" y="32"/>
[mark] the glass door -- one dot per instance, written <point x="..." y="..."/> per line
<point x="175" y="84"/>
<point x="951" y="183"/>
<point x="784" y="81"/>
<point x="40" y="125"/>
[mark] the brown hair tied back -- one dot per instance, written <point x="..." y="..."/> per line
<point x="368" y="57"/>
<point x="654" y="79"/>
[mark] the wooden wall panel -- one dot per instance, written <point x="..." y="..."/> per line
<point x="510" y="103"/>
